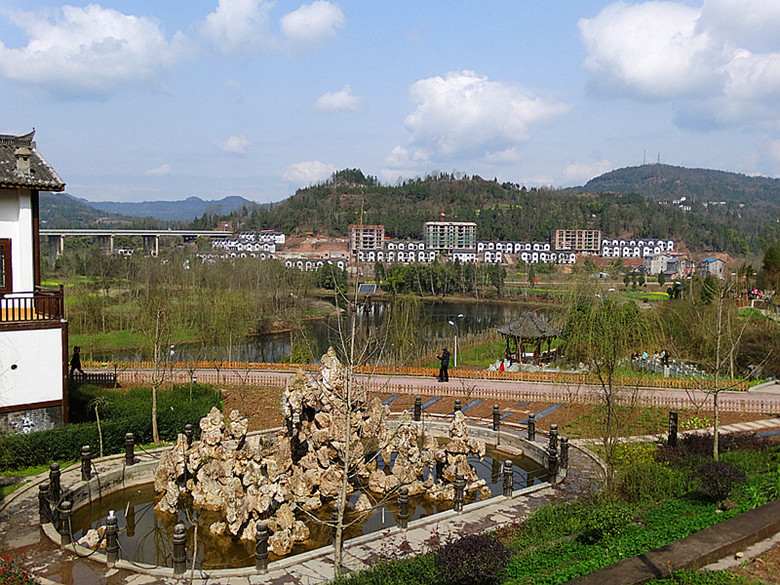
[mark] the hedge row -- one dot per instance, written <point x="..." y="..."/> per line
<point x="121" y="412"/>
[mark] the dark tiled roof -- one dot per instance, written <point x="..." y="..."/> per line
<point x="529" y="326"/>
<point x="41" y="176"/>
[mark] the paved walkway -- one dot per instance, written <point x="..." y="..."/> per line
<point x="762" y="399"/>
<point x="20" y="532"/>
<point x="755" y="426"/>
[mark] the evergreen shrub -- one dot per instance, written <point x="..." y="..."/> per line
<point x="125" y="411"/>
<point x="718" y="479"/>
<point x="475" y="559"/>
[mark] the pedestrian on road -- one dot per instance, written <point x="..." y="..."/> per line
<point x="75" y="361"/>
<point x="445" y="364"/>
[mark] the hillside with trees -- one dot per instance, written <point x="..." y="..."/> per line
<point x="729" y="212"/>
<point x="666" y="182"/>
<point x="507" y="211"/>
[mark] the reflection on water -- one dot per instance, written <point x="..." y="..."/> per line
<point x="433" y="322"/>
<point x="146" y="536"/>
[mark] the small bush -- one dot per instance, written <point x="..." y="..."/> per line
<point x="476" y="559"/>
<point x="718" y="479"/>
<point x="605" y="521"/>
<point x="649" y="481"/>
<point x="693" y="449"/>
<point x="131" y="413"/>
<point x="551" y="522"/>
<point x="417" y="570"/>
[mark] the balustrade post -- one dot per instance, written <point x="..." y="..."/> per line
<point x="44" y="508"/>
<point x="552" y="464"/>
<point x="531" y="427"/>
<point x="460" y="487"/>
<point x="86" y="463"/>
<point x="112" y="540"/>
<point x="66" y="511"/>
<point x="55" y="492"/>
<point x="129" y="445"/>
<point x="564" y="462"/>
<point x="417" y="408"/>
<point x="179" y="549"/>
<point x="261" y="547"/>
<point x="554" y="437"/>
<point x="188" y="433"/>
<point x="54" y="482"/>
<point x="403" y="508"/>
<point x="496" y="418"/>
<point x="508" y="478"/>
<point x="672" y="440"/>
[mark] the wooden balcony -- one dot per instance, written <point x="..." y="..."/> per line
<point x="39" y="306"/>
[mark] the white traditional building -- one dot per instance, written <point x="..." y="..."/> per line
<point x="33" y="331"/>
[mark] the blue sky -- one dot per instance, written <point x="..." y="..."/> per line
<point x="138" y="100"/>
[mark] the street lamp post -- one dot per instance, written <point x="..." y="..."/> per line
<point x="455" y="325"/>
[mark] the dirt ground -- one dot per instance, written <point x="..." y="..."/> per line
<point x="261" y="407"/>
<point x="765" y="567"/>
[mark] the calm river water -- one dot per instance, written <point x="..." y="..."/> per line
<point x="433" y="321"/>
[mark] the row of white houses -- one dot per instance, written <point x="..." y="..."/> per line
<point x="308" y="264"/>
<point x="614" y="248"/>
<point x="242" y="245"/>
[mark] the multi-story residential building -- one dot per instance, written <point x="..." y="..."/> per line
<point x="33" y="330"/>
<point x="712" y="267"/>
<point x="577" y="240"/>
<point x="449" y="236"/>
<point x="366" y="237"/>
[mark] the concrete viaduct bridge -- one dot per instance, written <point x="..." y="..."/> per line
<point x="151" y="238"/>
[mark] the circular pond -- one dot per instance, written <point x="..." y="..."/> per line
<point x="146" y="535"/>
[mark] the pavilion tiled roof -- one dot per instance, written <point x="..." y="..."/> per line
<point x="529" y="326"/>
<point x="41" y="175"/>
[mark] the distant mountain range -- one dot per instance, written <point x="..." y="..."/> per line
<point x="186" y="210"/>
<point x="64" y="210"/>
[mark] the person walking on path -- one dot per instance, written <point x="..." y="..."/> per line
<point x="75" y="361"/>
<point x="445" y="364"/>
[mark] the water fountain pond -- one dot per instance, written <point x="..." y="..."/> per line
<point x="339" y="450"/>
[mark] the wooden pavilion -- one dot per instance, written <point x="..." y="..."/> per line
<point x="530" y="329"/>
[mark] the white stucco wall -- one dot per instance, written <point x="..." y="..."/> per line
<point x="16" y="224"/>
<point x="37" y="377"/>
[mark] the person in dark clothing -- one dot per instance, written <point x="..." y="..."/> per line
<point x="445" y="364"/>
<point x="75" y="361"/>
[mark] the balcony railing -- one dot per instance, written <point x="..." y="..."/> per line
<point x="42" y="304"/>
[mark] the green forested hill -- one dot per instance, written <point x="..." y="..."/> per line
<point x="510" y="212"/>
<point x="662" y="182"/>
<point x="61" y="210"/>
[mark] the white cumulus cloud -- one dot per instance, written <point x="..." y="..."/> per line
<point x="652" y="49"/>
<point x="465" y="114"/>
<point x="584" y="172"/>
<point x="337" y="101"/>
<point x="308" y="172"/>
<point x="236" y="144"/>
<point x="238" y="26"/>
<point x="313" y="24"/>
<point x="89" y="50"/>
<point x="161" y="171"/>
<point x="720" y="62"/>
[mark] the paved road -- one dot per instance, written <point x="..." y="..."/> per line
<point x="763" y="399"/>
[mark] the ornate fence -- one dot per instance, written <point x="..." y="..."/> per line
<point x="568" y="388"/>
<point x="183" y="371"/>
